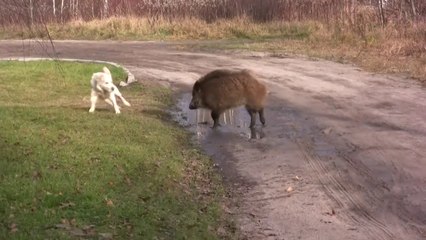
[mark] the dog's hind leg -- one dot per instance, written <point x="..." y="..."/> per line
<point x="93" y="100"/>
<point x="118" y="94"/>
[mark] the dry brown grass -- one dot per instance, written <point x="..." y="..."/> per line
<point x="132" y="28"/>
<point x="397" y="48"/>
<point x="394" y="49"/>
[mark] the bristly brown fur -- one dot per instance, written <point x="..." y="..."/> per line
<point x="222" y="89"/>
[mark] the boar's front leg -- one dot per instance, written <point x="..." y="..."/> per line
<point x="262" y="117"/>
<point x="215" y="115"/>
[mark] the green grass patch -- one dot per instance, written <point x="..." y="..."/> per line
<point x="66" y="173"/>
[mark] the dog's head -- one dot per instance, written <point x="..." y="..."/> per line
<point x="103" y="81"/>
<point x="106" y="83"/>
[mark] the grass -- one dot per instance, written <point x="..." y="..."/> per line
<point x="131" y="28"/>
<point x="68" y="174"/>
<point x="397" y="48"/>
<point x="394" y="49"/>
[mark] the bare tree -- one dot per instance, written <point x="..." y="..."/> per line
<point x="413" y="8"/>
<point x="54" y="8"/>
<point x="32" y="11"/>
<point x="93" y="10"/>
<point x="105" y="13"/>
<point x="381" y="12"/>
<point x="76" y="9"/>
<point x="62" y="10"/>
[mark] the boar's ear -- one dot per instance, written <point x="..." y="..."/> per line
<point x="196" y="87"/>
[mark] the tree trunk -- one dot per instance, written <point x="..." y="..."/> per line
<point x="72" y="10"/>
<point x="353" y="6"/>
<point x="76" y="9"/>
<point x="381" y="13"/>
<point x="413" y="8"/>
<point x="31" y="12"/>
<point x="105" y="15"/>
<point x="54" y="8"/>
<point x="62" y="10"/>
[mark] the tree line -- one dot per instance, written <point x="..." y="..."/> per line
<point x="352" y="12"/>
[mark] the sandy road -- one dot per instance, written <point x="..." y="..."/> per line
<point x="351" y="145"/>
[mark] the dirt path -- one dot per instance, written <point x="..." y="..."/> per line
<point x="351" y="145"/>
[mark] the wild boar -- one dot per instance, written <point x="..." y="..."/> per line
<point x="221" y="90"/>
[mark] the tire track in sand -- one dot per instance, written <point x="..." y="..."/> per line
<point x="345" y="199"/>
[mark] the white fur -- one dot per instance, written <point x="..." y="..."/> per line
<point x="104" y="88"/>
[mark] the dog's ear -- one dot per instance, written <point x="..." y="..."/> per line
<point x="106" y="70"/>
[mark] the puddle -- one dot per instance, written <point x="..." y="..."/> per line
<point x="199" y="121"/>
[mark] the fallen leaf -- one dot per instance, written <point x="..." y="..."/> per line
<point x="327" y="131"/>
<point x="227" y="210"/>
<point x="109" y="202"/>
<point x="13" y="228"/>
<point x="37" y="175"/>
<point x="73" y="222"/>
<point x="128" y="181"/>
<point x="120" y="169"/>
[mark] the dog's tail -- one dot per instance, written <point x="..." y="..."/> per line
<point x="106" y="70"/>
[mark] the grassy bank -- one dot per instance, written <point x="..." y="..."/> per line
<point x="393" y="49"/>
<point x="68" y="174"/>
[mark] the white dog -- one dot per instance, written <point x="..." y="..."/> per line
<point x="104" y="88"/>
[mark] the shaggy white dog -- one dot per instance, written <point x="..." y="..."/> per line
<point x="104" y="88"/>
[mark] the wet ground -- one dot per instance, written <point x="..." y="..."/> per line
<point x="343" y="154"/>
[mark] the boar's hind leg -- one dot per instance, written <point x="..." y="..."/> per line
<point x="215" y="115"/>
<point x="262" y="116"/>
<point x="252" y="117"/>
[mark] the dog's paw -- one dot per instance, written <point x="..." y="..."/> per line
<point x="117" y="112"/>
<point x="91" y="110"/>
<point x="127" y="104"/>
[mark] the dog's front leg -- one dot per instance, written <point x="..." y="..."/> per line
<point x="93" y="100"/>
<point x="107" y="100"/>
<point x="114" y="103"/>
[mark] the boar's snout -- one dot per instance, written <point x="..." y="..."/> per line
<point x="193" y="105"/>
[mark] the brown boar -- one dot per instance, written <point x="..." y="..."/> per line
<point x="221" y="90"/>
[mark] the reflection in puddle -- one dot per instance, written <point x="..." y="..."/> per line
<point x="232" y="121"/>
<point x="202" y="116"/>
